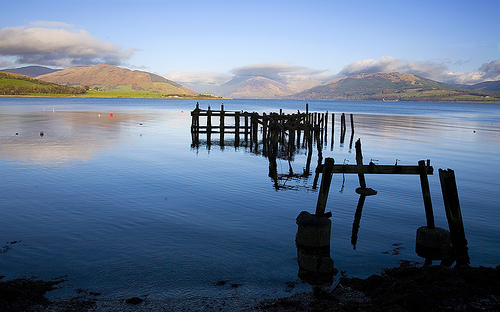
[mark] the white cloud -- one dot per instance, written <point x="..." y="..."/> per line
<point x="385" y="64"/>
<point x="58" y="46"/>
<point x="280" y="72"/>
<point x="51" y="24"/>
<point x="207" y="78"/>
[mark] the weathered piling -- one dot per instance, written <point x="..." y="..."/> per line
<point x="454" y="216"/>
<point x="236" y="129"/>
<point x="342" y="128"/>
<point x="424" y="182"/>
<point x="221" y="124"/>
<point x="324" y="188"/>
<point x="316" y="267"/>
<point x="362" y="189"/>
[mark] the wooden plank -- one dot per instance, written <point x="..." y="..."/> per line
<point x="378" y="169"/>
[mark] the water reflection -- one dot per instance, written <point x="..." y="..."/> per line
<point x="57" y="138"/>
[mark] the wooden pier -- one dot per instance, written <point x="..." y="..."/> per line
<point x="256" y="131"/>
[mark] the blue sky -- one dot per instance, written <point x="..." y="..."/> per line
<point x="212" y="41"/>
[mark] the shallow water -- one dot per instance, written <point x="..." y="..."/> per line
<point x="125" y="206"/>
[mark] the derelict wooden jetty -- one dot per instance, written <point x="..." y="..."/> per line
<point x="251" y="129"/>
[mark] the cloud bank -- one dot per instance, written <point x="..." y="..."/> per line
<point x="432" y="70"/>
<point x="58" y="44"/>
<point x="280" y="72"/>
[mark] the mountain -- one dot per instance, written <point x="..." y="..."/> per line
<point x="254" y="87"/>
<point x="488" y="86"/>
<point x="259" y="87"/>
<point x="30" y="71"/>
<point x="390" y="86"/>
<point x="111" y="78"/>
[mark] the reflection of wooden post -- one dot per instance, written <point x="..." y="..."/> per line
<point x="357" y="220"/>
<point x="326" y="180"/>
<point x="454" y="216"/>
<point x="424" y="182"/>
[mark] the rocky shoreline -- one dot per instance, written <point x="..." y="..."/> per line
<point x="405" y="288"/>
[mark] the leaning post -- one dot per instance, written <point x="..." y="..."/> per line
<point x="326" y="180"/>
<point x="454" y="216"/>
<point x="424" y="182"/>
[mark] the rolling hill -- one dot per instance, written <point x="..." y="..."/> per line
<point x="30" y="71"/>
<point x="13" y="84"/>
<point x="112" y="78"/>
<point x="393" y="87"/>
<point x="488" y="86"/>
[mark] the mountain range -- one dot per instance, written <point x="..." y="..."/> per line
<point x="380" y="86"/>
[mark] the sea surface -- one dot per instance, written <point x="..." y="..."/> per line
<point x="112" y="194"/>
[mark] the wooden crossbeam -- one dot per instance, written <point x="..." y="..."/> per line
<point x="377" y="169"/>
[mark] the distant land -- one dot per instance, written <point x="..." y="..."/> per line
<point x="98" y="81"/>
<point x="393" y="87"/>
<point x="30" y="71"/>
<point x="112" y="81"/>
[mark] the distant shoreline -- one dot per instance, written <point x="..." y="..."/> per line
<point x="166" y="97"/>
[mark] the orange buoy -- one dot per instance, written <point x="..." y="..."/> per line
<point x="111" y="115"/>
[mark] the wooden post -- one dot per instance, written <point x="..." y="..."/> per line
<point x="454" y="216"/>
<point x="333" y="130"/>
<point x="424" y="182"/>
<point x="236" y="129"/>
<point x="246" y="129"/>
<point x="221" y="125"/>
<point x="255" y="128"/>
<point x="209" y="126"/>
<point x="352" y="124"/>
<point x="264" y="134"/>
<point x="326" y="128"/>
<point x="326" y="180"/>
<point x="359" y="163"/>
<point x="342" y="128"/>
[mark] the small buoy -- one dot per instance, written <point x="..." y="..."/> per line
<point x="17" y="133"/>
<point x="99" y="115"/>
<point x="41" y="133"/>
<point x="182" y="112"/>
<point x="111" y="115"/>
<point x="474" y="131"/>
<point x="54" y="109"/>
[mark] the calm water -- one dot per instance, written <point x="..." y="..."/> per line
<point x="123" y="205"/>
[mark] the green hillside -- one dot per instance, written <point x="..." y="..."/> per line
<point x="12" y="84"/>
